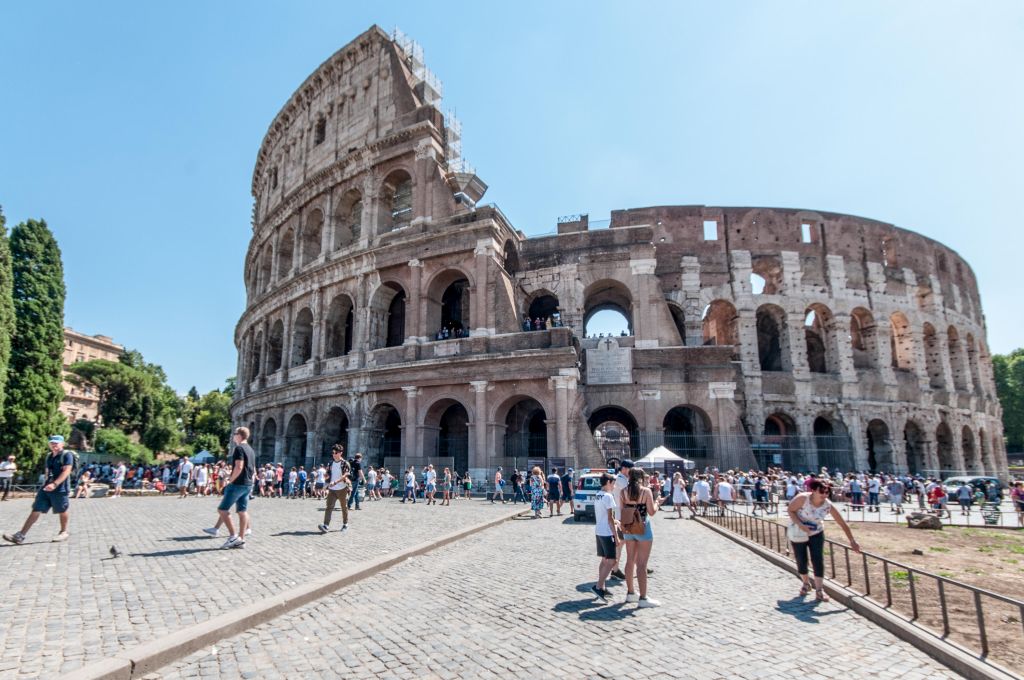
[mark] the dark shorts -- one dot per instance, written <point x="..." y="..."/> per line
<point x="237" y="495"/>
<point x="553" y="496"/>
<point x="51" y="500"/>
<point x="606" y="547"/>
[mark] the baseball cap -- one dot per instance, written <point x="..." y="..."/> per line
<point x="627" y="463"/>
<point x="56" y="439"/>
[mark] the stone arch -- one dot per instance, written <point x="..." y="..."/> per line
<point x="266" y="268"/>
<point x="916" y="446"/>
<point x="780" y="439"/>
<point x="387" y="316"/>
<point x="312" y="236"/>
<point x="510" y="258"/>
<point x="972" y="363"/>
<point x="348" y="219"/>
<point x="972" y="459"/>
<point x="286" y="254"/>
<point x="338" y="329"/>
<point x="945" y="449"/>
<point x="901" y="342"/>
<point x="616" y="432"/>
<point x="526" y="431"/>
<point x="688" y="432"/>
<point x="772" y="339"/>
<point x="769" y="269"/>
<point x="819" y="336"/>
<point x="396" y="197"/>
<point x="933" y="358"/>
<point x="275" y="347"/>
<point x="720" y="324"/>
<point x="334" y="430"/>
<point x="956" y="359"/>
<point x="863" y="339"/>
<point x="881" y="454"/>
<point x="268" y="442"/>
<point x="255" y="356"/>
<point x="302" y="337"/>
<point x="832" y="442"/>
<point x="448" y="303"/>
<point x="446" y="428"/>
<point x="295" y="441"/>
<point x="608" y="294"/>
<point x="542" y="304"/>
<point x="383" y="433"/>
<point x="678" y="320"/>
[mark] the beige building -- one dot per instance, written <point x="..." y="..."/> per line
<point x="83" y="402"/>
<point x="387" y="310"/>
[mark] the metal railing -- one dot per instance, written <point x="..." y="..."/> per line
<point x="984" y="623"/>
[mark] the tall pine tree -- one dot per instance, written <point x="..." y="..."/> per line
<point x="34" y="386"/>
<point x="6" y="309"/>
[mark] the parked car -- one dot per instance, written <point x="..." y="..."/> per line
<point x="952" y="484"/>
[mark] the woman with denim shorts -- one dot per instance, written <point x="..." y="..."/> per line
<point x="637" y="496"/>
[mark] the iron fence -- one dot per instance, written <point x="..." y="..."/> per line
<point x="986" y="624"/>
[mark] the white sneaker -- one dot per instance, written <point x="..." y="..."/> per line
<point x="212" y="531"/>
<point x="647" y="603"/>
<point x="344" y="527"/>
<point x="322" y="528"/>
<point x="632" y="597"/>
<point x="231" y="542"/>
<point x="62" y="536"/>
<point x="248" y="531"/>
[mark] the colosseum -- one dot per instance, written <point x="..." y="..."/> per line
<point x="390" y="310"/>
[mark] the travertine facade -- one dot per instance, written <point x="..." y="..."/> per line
<point x="82" y="403"/>
<point x="756" y="335"/>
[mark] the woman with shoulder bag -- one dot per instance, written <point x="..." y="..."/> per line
<point x="638" y="506"/>
<point x="807" y="512"/>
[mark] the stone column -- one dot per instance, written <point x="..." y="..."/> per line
<point x="839" y="329"/>
<point x="286" y="343"/>
<point x="479" y="309"/>
<point x="241" y="375"/>
<point x="327" y="235"/>
<point x="414" y="316"/>
<point x="318" y="330"/>
<point x="645" y="330"/>
<point x="562" y="384"/>
<point x="478" y="457"/>
<point x="264" y="354"/>
<point x="426" y="165"/>
<point x="409" y="429"/>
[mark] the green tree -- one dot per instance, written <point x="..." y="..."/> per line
<point x="208" y="442"/>
<point x="1009" y="375"/>
<point x="34" y="387"/>
<point x="214" y="418"/>
<point x="116" y="443"/>
<point x="6" y="308"/>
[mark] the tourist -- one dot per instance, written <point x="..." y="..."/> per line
<point x="702" y="494"/>
<point x="726" y="493"/>
<point x="1017" y="496"/>
<point x="54" y="494"/>
<point x="239" y="487"/>
<point x="937" y="500"/>
<point x="410" y="485"/>
<point x="554" y="492"/>
<point x="202" y="477"/>
<point x="607" y="532"/>
<point x="358" y="479"/>
<point x="467" y="485"/>
<point x="679" y="495"/>
<point x="430" y="485"/>
<point x="498" y="484"/>
<point x="895" y="491"/>
<point x="446" y="487"/>
<point x="338" y="488"/>
<point x="536" y="491"/>
<point x="303" y="478"/>
<point x="567" y="492"/>
<point x="922" y="493"/>
<point x="320" y="481"/>
<point x="372" y="493"/>
<point x="856" y="492"/>
<point x="84" y="485"/>
<point x="638" y="506"/>
<point x="184" y="475"/>
<point x="7" y="470"/>
<point x="874" y="488"/>
<point x="807" y="512"/>
<point x="621" y="482"/>
<point x="965" y="496"/>
<point x="517" y="488"/>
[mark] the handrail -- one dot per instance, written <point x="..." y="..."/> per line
<point x="772" y="535"/>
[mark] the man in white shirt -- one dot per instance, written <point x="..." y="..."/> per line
<point x="605" y="509"/>
<point x="184" y="475"/>
<point x="874" y="487"/>
<point x="7" y="470"/>
<point x="725" y="492"/>
<point x="119" y="473"/>
<point x="702" y="494"/>
<point x="337" y="489"/>
<point x="410" y="486"/>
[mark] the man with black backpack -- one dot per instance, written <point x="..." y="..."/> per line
<point x="55" y="493"/>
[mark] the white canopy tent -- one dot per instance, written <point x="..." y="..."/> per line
<point x="660" y="454"/>
<point x="203" y="457"/>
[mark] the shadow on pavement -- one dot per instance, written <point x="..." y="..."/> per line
<point x="577" y="606"/>
<point x="608" y="612"/>
<point x="804" y="609"/>
<point x="173" y="553"/>
<point x="185" y="539"/>
<point x="299" y="533"/>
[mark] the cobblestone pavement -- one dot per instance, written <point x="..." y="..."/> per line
<point x="514" y="601"/>
<point x="973" y="518"/>
<point x="66" y="604"/>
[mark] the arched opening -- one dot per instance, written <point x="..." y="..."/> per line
<point x="295" y="442"/>
<point x="451" y="421"/>
<point x="956" y="360"/>
<point x="276" y="349"/>
<point x="255" y="354"/>
<point x="688" y="433"/>
<point x="448" y="305"/>
<point x="720" y="324"/>
<point x="880" y="449"/>
<point x="757" y="284"/>
<point x="396" y="202"/>
<point x="526" y="430"/>
<point x="820" y="339"/>
<point x="901" y="342"/>
<point x="863" y="339"/>
<point x="972" y="461"/>
<point x="916" y="447"/>
<point x="334" y="430"/>
<point x="268" y="440"/>
<point x="972" y="363"/>
<point x="615" y="432"/>
<point x="947" y="454"/>
<point x="387" y="316"/>
<point x="767" y="268"/>
<point x="286" y="254"/>
<point x="832" y="442"/>
<point x="780" y="444"/>
<point x="312" y="237"/>
<point x="545" y="308"/>
<point x="772" y="343"/>
<point x="266" y="267"/>
<point x="302" y="337"/>
<point x="607" y="309"/>
<point x="348" y="219"/>
<point x="510" y="259"/>
<point x="679" y="321"/>
<point x="338" y="340"/>
<point x="933" y="358"/>
<point x="383" y="434"/>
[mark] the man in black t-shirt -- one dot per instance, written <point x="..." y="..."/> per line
<point x="238" y="488"/>
<point x="356" y="476"/>
<point x="54" y="494"/>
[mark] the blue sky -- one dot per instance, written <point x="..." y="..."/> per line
<point x="132" y="128"/>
